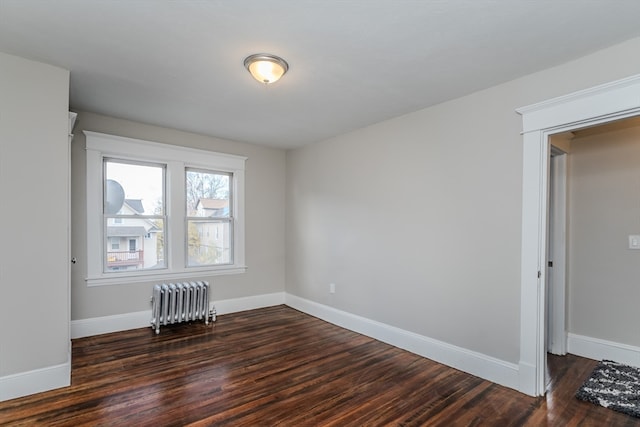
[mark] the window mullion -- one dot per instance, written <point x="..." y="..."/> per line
<point x="238" y="218"/>
<point x="176" y="214"/>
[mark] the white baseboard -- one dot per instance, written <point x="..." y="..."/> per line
<point x="478" y="364"/>
<point x="36" y="381"/>
<point x="141" y="319"/>
<point x="249" y="303"/>
<point x="107" y="324"/>
<point x="597" y="349"/>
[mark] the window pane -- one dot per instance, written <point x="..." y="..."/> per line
<point x="207" y="194"/>
<point x="209" y="243"/>
<point x="133" y="188"/>
<point x="134" y="216"/>
<point x="134" y="244"/>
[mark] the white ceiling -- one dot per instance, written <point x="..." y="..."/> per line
<point x="179" y="64"/>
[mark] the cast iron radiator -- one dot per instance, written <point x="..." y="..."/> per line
<point x="180" y="302"/>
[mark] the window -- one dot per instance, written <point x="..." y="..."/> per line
<point x="161" y="212"/>
<point x="134" y="207"/>
<point x="209" y="207"/>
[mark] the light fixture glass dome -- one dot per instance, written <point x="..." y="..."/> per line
<point x="266" y="68"/>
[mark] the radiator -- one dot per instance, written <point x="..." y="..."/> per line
<point x="180" y="302"/>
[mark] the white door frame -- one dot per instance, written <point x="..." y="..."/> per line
<point x="598" y="105"/>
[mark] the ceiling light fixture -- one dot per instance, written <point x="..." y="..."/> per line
<point x="266" y="68"/>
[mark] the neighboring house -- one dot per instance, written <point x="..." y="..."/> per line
<point x="132" y="243"/>
<point x="213" y="236"/>
<point x="212" y="207"/>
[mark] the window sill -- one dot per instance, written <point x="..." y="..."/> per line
<point x="163" y="276"/>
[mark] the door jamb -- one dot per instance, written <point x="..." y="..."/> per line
<point x="558" y="244"/>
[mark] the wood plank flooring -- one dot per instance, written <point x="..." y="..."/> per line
<point x="277" y="366"/>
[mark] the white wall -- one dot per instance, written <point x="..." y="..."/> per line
<point x="604" y="208"/>
<point x="417" y="220"/>
<point x="34" y="168"/>
<point x="264" y="223"/>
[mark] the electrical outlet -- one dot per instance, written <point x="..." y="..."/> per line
<point x="332" y="288"/>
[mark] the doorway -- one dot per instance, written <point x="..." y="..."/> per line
<point x="598" y="105"/>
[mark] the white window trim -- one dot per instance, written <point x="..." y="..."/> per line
<point x="100" y="145"/>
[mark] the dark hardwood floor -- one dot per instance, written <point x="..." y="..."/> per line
<point x="277" y="366"/>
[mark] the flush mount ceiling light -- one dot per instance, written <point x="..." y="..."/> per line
<point x="266" y="68"/>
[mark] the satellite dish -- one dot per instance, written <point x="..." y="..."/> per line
<point x="114" y="197"/>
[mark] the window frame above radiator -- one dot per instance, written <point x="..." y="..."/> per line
<point x="177" y="159"/>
